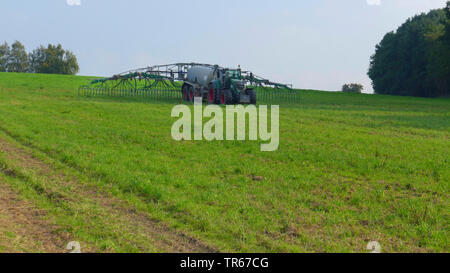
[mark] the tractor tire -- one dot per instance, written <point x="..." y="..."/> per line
<point x="228" y="97"/>
<point x="211" y="96"/>
<point x="252" y="95"/>
<point x="236" y="98"/>
<point x="217" y="97"/>
<point x="191" y="94"/>
<point x="185" y="92"/>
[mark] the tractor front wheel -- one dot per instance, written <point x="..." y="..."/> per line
<point x="236" y="98"/>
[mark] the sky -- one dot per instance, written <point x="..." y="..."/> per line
<point x="312" y="44"/>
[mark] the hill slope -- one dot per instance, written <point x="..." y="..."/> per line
<point x="350" y="169"/>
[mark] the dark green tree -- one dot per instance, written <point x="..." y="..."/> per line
<point x="438" y="66"/>
<point x="17" y="60"/>
<point x="411" y="61"/>
<point x="445" y="41"/>
<point x="439" y="56"/>
<point x="447" y="26"/>
<point x="353" y="88"/>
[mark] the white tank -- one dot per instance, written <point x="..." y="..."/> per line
<point x="201" y="75"/>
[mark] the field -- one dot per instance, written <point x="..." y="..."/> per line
<point x="105" y="172"/>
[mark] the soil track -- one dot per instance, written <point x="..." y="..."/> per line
<point x="20" y="217"/>
<point x="22" y="227"/>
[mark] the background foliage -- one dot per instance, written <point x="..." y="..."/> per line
<point x="353" y="88"/>
<point x="51" y="60"/>
<point x="414" y="60"/>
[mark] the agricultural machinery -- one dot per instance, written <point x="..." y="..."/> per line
<point x="215" y="84"/>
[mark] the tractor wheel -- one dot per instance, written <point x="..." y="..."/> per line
<point x="217" y="97"/>
<point x="228" y="97"/>
<point x="252" y="95"/>
<point x="185" y="92"/>
<point x="236" y="98"/>
<point x="211" y="95"/>
<point x="191" y="94"/>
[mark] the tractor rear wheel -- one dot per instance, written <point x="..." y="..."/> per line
<point x="191" y="94"/>
<point x="252" y="95"/>
<point x="218" y="97"/>
<point x="211" y="95"/>
<point x="228" y="97"/>
<point x="185" y="92"/>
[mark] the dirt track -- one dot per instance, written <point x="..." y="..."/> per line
<point x="24" y="229"/>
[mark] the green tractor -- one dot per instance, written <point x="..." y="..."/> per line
<point x="217" y="86"/>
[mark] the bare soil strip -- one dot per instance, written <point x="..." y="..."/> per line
<point x="33" y="228"/>
<point x="22" y="227"/>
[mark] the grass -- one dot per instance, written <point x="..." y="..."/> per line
<point x="350" y="168"/>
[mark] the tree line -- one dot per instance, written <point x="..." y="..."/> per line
<point x="53" y="59"/>
<point x="415" y="59"/>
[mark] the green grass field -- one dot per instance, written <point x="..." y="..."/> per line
<point x="350" y="169"/>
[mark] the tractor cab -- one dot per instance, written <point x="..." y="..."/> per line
<point x="234" y="74"/>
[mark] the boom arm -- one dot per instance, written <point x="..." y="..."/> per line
<point x="162" y="74"/>
<point x="259" y="81"/>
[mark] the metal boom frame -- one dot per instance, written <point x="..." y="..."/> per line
<point x="166" y="81"/>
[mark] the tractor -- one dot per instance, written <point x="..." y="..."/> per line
<point x="217" y="85"/>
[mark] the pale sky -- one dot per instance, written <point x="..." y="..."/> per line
<point x="315" y="44"/>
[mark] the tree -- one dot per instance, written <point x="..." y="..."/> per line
<point x="4" y="56"/>
<point x="71" y="64"/>
<point x="50" y="60"/>
<point x="438" y="66"/>
<point x="447" y="25"/>
<point x="54" y="60"/>
<point x="413" y="60"/>
<point x="353" y="88"/>
<point x="36" y="58"/>
<point x="17" y="60"/>
<point x="444" y="72"/>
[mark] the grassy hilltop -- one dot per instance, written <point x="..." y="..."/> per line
<point x="105" y="171"/>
